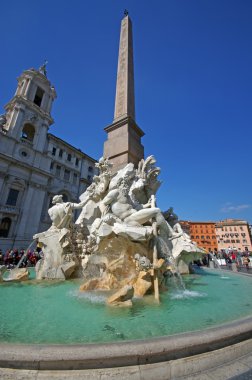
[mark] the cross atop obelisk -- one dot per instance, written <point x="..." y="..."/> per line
<point x="124" y="136"/>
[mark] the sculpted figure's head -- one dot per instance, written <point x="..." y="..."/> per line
<point x="127" y="173"/>
<point x="57" y="199"/>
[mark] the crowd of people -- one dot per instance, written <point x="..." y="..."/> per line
<point x="241" y="259"/>
<point x="12" y="257"/>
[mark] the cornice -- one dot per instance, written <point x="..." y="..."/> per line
<point x="27" y="166"/>
<point x="125" y="120"/>
<point x="53" y="137"/>
<point x="32" y="106"/>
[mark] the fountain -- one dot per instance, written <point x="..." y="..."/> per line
<point x="121" y="251"/>
<point x="120" y="241"/>
<point x="107" y="298"/>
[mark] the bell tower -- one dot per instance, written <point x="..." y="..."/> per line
<point x="123" y="143"/>
<point x="28" y="113"/>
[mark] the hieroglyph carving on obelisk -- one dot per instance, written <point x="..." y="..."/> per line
<point x="124" y="100"/>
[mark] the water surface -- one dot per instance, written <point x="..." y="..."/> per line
<point x="56" y="312"/>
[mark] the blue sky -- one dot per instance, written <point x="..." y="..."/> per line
<point x="193" y="87"/>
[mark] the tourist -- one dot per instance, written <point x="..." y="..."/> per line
<point x="239" y="260"/>
<point x="246" y="262"/>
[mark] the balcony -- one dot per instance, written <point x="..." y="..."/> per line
<point x="9" y="209"/>
<point x="26" y="141"/>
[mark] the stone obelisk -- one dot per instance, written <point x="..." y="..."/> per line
<point x="123" y="143"/>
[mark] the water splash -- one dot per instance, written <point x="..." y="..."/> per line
<point x="187" y="294"/>
<point x="89" y="296"/>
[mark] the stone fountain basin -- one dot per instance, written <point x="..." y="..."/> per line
<point x="130" y="353"/>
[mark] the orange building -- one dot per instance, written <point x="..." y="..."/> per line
<point x="202" y="233"/>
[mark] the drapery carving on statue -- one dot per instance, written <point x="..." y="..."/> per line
<point x="94" y="194"/>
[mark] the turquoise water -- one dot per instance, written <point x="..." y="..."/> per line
<point x="56" y="312"/>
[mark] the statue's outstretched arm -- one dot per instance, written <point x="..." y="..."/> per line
<point x="110" y="197"/>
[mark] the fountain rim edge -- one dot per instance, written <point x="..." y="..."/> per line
<point x="133" y="352"/>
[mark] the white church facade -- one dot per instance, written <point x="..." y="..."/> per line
<point x="34" y="164"/>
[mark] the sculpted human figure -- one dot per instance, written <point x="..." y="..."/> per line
<point x="92" y="196"/>
<point x="119" y="203"/>
<point x="61" y="213"/>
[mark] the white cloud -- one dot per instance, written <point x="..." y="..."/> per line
<point x="228" y="207"/>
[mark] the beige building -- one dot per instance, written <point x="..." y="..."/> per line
<point x="34" y="164"/>
<point x="233" y="234"/>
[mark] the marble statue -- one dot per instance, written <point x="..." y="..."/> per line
<point x="120" y="240"/>
<point x="61" y="213"/>
<point x="59" y="242"/>
<point x="42" y="68"/>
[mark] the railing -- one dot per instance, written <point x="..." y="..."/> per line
<point x="25" y="141"/>
<point x="9" y="209"/>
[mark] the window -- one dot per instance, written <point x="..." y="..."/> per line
<point x="202" y="237"/>
<point x="58" y="169"/>
<point x="12" y="197"/>
<point x="197" y="236"/>
<point x="241" y="228"/>
<point x="74" y="178"/>
<point x="60" y="153"/>
<point x="192" y="237"/>
<point x="5" y="227"/>
<point x="89" y="177"/>
<point x="208" y="237"/>
<point x="90" y="169"/>
<point x="28" y="132"/>
<point x="237" y="241"/>
<point x="23" y="153"/>
<point x="230" y="228"/>
<point x="213" y="237"/>
<point x="66" y="175"/>
<point x="76" y="161"/>
<point x="51" y="166"/>
<point x="38" y="96"/>
<point x="53" y="151"/>
<point x="244" y="241"/>
<point x="69" y="157"/>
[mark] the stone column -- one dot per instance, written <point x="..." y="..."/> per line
<point x="32" y="209"/>
<point x="26" y="88"/>
<point x="16" y="121"/>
